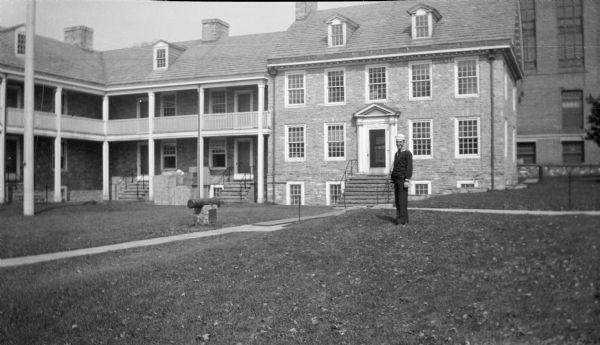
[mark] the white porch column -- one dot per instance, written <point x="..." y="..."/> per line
<point x="105" y="157"/>
<point x="28" y="118"/>
<point x="151" y="101"/>
<point x="2" y="137"/>
<point x="260" y="173"/>
<point x="200" y="148"/>
<point x="58" y="144"/>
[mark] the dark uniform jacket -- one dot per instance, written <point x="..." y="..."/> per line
<point x="403" y="167"/>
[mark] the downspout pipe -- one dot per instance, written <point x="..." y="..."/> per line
<point x="491" y="58"/>
<point x="273" y="73"/>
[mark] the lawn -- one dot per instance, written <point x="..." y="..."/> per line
<point x="59" y="227"/>
<point x="351" y="279"/>
<point x="550" y="194"/>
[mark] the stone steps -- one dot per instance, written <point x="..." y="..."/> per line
<point x="137" y="191"/>
<point x="367" y="190"/>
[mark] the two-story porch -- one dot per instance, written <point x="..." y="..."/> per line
<point x="139" y="133"/>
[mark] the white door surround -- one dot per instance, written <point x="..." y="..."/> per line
<point x="375" y="117"/>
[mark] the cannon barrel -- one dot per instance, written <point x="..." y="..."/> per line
<point x="198" y="203"/>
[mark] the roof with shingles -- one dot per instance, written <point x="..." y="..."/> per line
<point x="386" y="26"/>
<point x="229" y="56"/>
<point x="382" y="27"/>
<point x="54" y="58"/>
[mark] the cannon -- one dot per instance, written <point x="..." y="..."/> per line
<point x="205" y="210"/>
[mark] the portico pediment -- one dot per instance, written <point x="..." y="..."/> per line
<point x="376" y="110"/>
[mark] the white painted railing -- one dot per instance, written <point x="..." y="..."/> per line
<point x="137" y="126"/>
<point x="83" y="125"/>
<point x="128" y="126"/>
<point x="174" y="124"/>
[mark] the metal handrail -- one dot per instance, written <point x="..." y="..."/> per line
<point x="350" y="165"/>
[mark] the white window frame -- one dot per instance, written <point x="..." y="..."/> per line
<point x="157" y="47"/>
<point x="211" y="100"/>
<point x="288" y="196"/>
<point x="456" y="141"/>
<point x="163" y="155"/>
<point x="211" y="146"/>
<point x="421" y="12"/>
<point x="287" y="94"/>
<point x="336" y="21"/>
<point x="413" y="187"/>
<point x="162" y="103"/>
<point x="20" y="33"/>
<point x="326" y="141"/>
<point x="287" y="144"/>
<point x="213" y="187"/>
<point x="328" y="185"/>
<point x="456" y="84"/>
<point x="410" y="81"/>
<point x="367" y="89"/>
<point x="460" y="183"/>
<point x="411" y="138"/>
<point x="326" y="85"/>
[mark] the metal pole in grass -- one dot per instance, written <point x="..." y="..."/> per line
<point x="569" y="170"/>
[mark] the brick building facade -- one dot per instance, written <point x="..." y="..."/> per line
<point x="287" y="112"/>
<point x="562" y="55"/>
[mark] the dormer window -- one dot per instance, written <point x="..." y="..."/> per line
<point x="423" y="19"/>
<point x="422" y="26"/>
<point x="20" y="43"/>
<point x="339" y="30"/>
<point x="161" y="56"/>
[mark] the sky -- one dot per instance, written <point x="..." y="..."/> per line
<point x="126" y="23"/>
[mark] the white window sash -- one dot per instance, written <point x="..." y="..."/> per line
<point x="287" y="144"/>
<point x="326" y="141"/>
<point x="411" y="138"/>
<point x="456" y="78"/>
<point x="410" y="81"/>
<point x="287" y="89"/>
<point x="326" y="92"/>
<point x="367" y="84"/>
<point x="457" y="153"/>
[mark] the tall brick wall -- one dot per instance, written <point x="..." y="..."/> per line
<point x="540" y="113"/>
<point x="443" y="170"/>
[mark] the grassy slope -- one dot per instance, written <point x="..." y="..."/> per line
<point x="352" y="279"/>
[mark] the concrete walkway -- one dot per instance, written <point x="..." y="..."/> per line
<point x="258" y="227"/>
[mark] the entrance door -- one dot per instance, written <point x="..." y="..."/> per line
<point x="243" y="101"/>
<point x="142" y="161"/>
<point x="377" y="148"/>
<point x="243" y="159"/>
<point x="11" y="160"/>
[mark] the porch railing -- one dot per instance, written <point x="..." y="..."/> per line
<point x="137" y="126"/>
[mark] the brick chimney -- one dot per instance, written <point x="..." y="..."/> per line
<point x="303" y="9"/>
<point x="214" y="29"/>
<point x="81" y="36"/>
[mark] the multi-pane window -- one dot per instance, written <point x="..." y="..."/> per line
<point x="218" y="102"/>
<point x="294" y="193"/>
<point x="21" y="43"/>
<point x="529" y="37"/>
<point x="335" y="141"/>
<point x="169" y="105"/>
<point x="218" y="153"/>
<point x="334" y="192"/>
<point x="570" y="33"/>
<point x="572" y="109"/>
<point x="526" y="153"/>
<point x="421" y="189"/>
<point x="377" y="83"/>
<point x="466" y="77"/>
<point x="467" y="184"/>
<point x="161" y="58"/>
<point x="422" y="26"/>
<point x="169" y="156"/>
<point x="335" y="86"/>
<point x="467" y="139"/>
<point x="295" y="138"/>
<point x="420" y="80"/>
<point x="337" y="35"/>
<point x="295" y="89"/>
<point x="572" y="152"/>
<point x="421" y="138"/>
